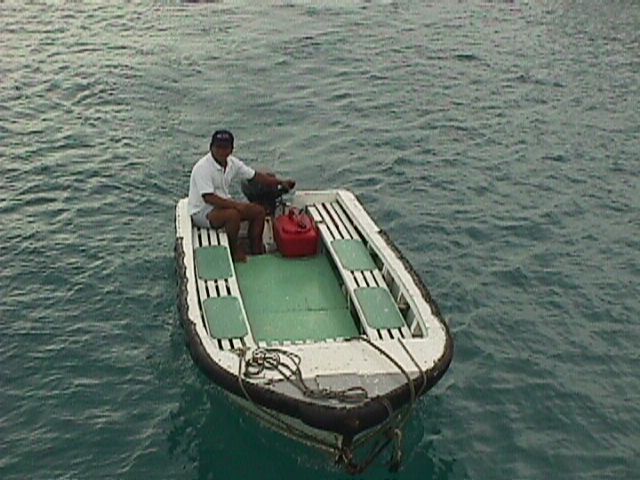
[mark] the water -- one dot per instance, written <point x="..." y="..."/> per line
<point x="496" y="142"/>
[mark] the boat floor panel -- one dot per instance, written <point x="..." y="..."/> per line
<point x="294" y="299"/>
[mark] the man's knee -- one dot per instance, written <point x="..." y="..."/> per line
<point x="228" y="218"/>
<point x="257" y="212"/>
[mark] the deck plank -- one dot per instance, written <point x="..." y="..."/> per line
<point x="370" y="278"/>
<point x="326" y="218"/>
<point x="340" y="216"/>
<point x="341" y="229"/>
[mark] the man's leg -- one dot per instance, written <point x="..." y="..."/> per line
<point x="255" y="214"/>
<point x="230" y="219"/>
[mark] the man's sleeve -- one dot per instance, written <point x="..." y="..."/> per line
<point x="245" y="172"/>
<point x="203" y="183"/>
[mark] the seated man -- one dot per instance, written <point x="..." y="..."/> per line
<point x="211" y="205"/>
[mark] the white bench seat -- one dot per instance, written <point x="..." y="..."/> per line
<point x="366" y="289"/>
<point x="225" y="319"/>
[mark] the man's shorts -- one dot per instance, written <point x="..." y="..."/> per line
<point x="200" y="217"/>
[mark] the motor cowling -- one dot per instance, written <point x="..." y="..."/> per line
<point x="261" y="194"/>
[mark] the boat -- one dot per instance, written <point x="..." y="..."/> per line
<point x="331" y="344"/>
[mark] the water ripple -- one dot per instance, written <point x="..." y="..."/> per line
<point x="495" y="142"/>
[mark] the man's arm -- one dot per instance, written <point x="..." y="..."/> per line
<point x="273" y="182"/>
<point x="220" y="202"/>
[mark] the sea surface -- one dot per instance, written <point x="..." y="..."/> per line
<point x="496" y="142"/>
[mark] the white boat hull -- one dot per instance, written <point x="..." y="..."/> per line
<point x="392" y="364"/>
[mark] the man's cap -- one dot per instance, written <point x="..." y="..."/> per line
<point x="223" y="138"/>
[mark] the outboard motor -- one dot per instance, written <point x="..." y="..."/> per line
<point x="258" y="193"/>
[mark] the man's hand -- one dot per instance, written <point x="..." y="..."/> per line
<point x="270" y="181"/>
<point x="288" y="185"/>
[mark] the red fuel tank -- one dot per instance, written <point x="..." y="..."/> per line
<point x="296" y="234"/>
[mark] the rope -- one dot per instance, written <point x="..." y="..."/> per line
<point x="423" y="374"/>
<point x="394" y="431"/>
<point x="272" y="359"/>
<point x="272" y="418"/>
<point x="287" y="364"/>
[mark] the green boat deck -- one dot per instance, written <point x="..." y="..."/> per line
<point x="289" y="299"/>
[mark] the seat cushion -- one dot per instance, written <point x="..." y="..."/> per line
<point x="224" y="317"/>
<point x="213" y="263"/>
<point x="379" y="309"/>
<point x="353" y="255"/>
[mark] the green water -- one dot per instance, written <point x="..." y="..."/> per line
<point x="496" y="142"/>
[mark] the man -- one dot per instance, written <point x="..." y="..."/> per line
<point x="211" y="205"/>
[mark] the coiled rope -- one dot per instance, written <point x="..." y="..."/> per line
<point x="287" y="364"/>
<point x="272" y="359"/>
<point x="270" y="417"/>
